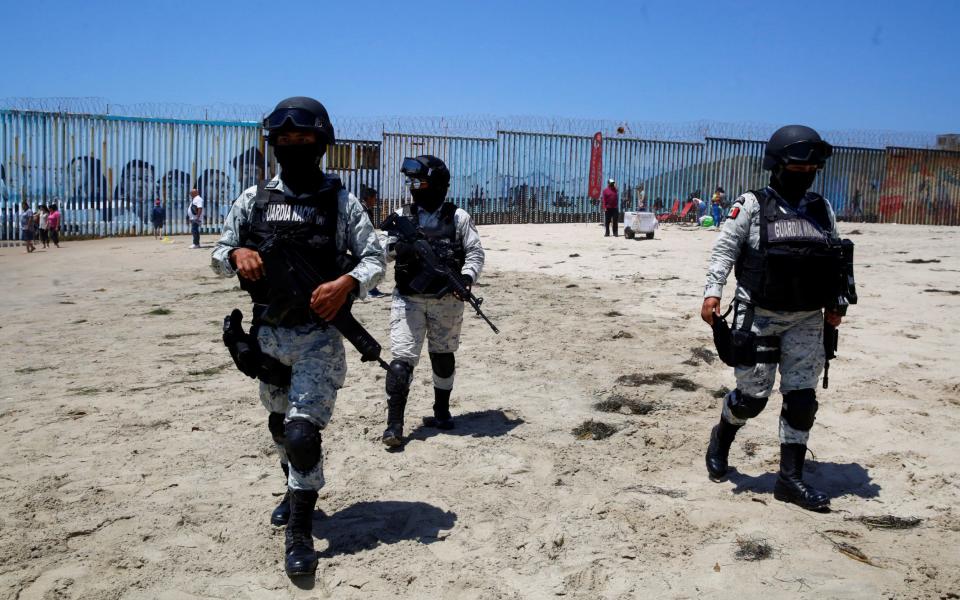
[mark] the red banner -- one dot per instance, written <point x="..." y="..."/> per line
<point x="596" y="166"/>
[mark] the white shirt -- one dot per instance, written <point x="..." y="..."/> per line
<point x="198" y="202"/>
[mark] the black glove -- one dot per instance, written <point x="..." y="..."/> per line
<point x="467" y="283"/>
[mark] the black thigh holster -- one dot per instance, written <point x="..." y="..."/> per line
<point x="740" y="347"/>
<point x="246" y="353"/>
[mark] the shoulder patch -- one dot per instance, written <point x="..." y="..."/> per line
<point x="734" y="212"/>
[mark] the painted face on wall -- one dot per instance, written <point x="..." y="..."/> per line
<point x="216" y="189"/>
<point x="85" y="179"/>
<point x="214" y="186"/>
<point x="141" y="179"/>
<point x="250" y="175"/>
<point x="174" y="186"/>
<point x="249" y="167"/>
<point x="87" y="188"/>
<point x="134" y="191"/>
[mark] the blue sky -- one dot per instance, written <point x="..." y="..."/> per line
<point x="836" y="65"/>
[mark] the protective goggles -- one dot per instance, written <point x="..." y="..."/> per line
<point x="415" y="184"/>
<point x="807" y="152"/>
<point x="414" y="169"/>
<point x="294" y="117"/>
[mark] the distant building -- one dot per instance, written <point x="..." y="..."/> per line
<point x="949" y="141"/>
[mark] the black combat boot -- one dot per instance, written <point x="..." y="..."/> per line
<point x="300" y="557"/>
<point x="441" y="418"/>
<point x="281" y="514"/>
<point x="718" y="451"/>
<point x="790" y="486"/>
<point x="393" y="435"/>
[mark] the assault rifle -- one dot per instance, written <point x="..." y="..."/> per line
<point x="847" y="295"/>
<point x="284" y="263"/>
<point x="406" y="232"/>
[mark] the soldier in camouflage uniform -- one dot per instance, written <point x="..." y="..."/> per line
<point x="414" y="315"/>
<point x="309" y="212"/>
<point x="783" y="241"/>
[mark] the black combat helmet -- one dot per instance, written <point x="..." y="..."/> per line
<point x="304" y="113"/>
<point x="427" y="168"/>
<point x="795" y="144"/>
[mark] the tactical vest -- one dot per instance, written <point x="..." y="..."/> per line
<point x="443" y="241"/>
<point x="297" y="242"/>
<point x="797" y="265"/>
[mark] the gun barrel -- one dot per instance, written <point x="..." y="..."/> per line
<point x="475" y="303"/>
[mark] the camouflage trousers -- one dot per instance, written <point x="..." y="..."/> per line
<point x="801" y="362"/>
<point x="319" y="367"/>
<point x="415" y="317"/>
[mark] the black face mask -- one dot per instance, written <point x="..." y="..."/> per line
<point x="792" y="185"/>
<point x="299" y="166"/>
<point x="429" y="200"/>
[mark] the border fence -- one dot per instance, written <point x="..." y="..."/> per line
<point x="106" y="171"/>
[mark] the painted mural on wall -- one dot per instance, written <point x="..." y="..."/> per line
<point x="921" y="187"/>
<point x="106" y="172"/>
<point x="88" y="198"/>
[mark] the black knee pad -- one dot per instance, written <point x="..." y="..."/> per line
<point x="443" y="363"/>
<point x="398" y="378"/>
<point x="800" y="408"/>
<point x="302" y="444"/>
<point x="744" y="406"/>
<point x="275" y="423"/>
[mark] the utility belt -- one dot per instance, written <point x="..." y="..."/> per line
<point x="246" y="353"/>
<point x="740" y="347"/>
<point x="284" y="316"/>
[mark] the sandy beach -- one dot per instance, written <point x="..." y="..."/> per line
<point x="135" y="460"/>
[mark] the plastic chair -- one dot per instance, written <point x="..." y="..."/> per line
<point x="666" y="217"/>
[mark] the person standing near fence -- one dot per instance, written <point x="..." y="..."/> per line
<point x="195" y="216"/>
<point x="716" y="206"/>
<point x="611" y="207"/>
<point x="26" y="226"/>
<point x="53" y="224"/>
<point x="42" y="216"/>
<point x="158" y="217"/>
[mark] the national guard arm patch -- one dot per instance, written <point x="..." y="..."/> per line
<point x="734" y="212"/>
